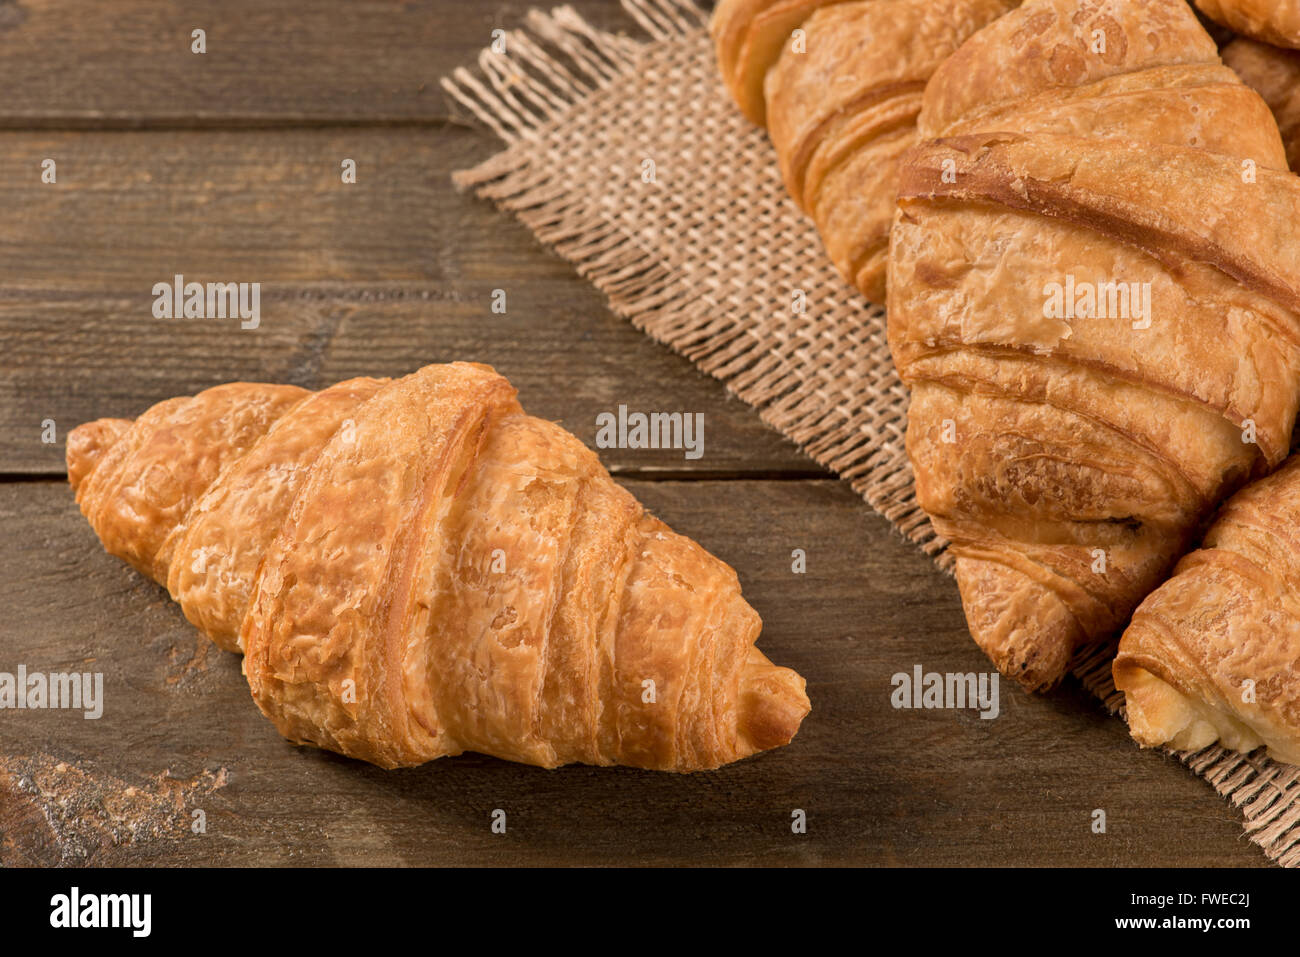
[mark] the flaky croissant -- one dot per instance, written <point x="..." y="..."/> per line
<point x="415" y="568"/>
<point x="1213" y="654"/>
<point x="1273" y="73"/>
<point x="1273" y="21"/>
<point x="1094" y="294"/>
<point x="840" y="103"/>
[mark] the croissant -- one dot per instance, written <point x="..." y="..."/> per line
<point x="1094" y="295"/>
<point x="1274" y="21"/>
<point x="1213" y="654"/>
<point x="416" y="568"/>
<point x="841" y="103"/>
<point x="1274" y="74"/>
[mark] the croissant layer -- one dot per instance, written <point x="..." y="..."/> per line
<point x="416" y="568"/>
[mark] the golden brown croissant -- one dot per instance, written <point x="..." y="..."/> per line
<point x="1274" y="73"/>
<point x="840" y="102"/>
<point x="416" y="568"/>
<point x="1094" y="294"/>
<point x="1213" y="654"/>
<point x="1274" y="21"/>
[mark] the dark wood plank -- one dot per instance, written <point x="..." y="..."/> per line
<point x="130" y="209"/>
<point x="129" y="63"/>
<point x="76" y="357"/>
<point x="376" y="278"/>
<point x="879" y="786"/>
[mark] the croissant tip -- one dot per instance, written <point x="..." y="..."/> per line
<point x="1156" y="712"/>
<point x="1022" y="625"/>
<point x="773" y="705"/>
<point x="87" y="444"/>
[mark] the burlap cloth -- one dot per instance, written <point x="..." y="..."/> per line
<point x="626" y="156"/>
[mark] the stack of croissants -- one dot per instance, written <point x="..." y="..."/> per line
<point x="1081" y="218"/>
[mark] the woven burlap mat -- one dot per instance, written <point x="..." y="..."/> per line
<point x="626" y="156"/>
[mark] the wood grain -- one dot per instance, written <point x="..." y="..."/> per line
<point x="376" y="278"/>
<point x="129" y="209"/>
<point x="270" y="62"/>
<point x="879" y="786"/>
<point x="77" y="356"/>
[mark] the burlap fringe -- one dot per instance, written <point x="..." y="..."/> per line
<point x="559" y="71"/>
<point x="524" y="94"/>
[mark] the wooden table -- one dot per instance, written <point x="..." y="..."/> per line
<point x="225" y="166"/>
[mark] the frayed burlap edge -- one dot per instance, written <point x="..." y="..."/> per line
<point x="715" y="264"/>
